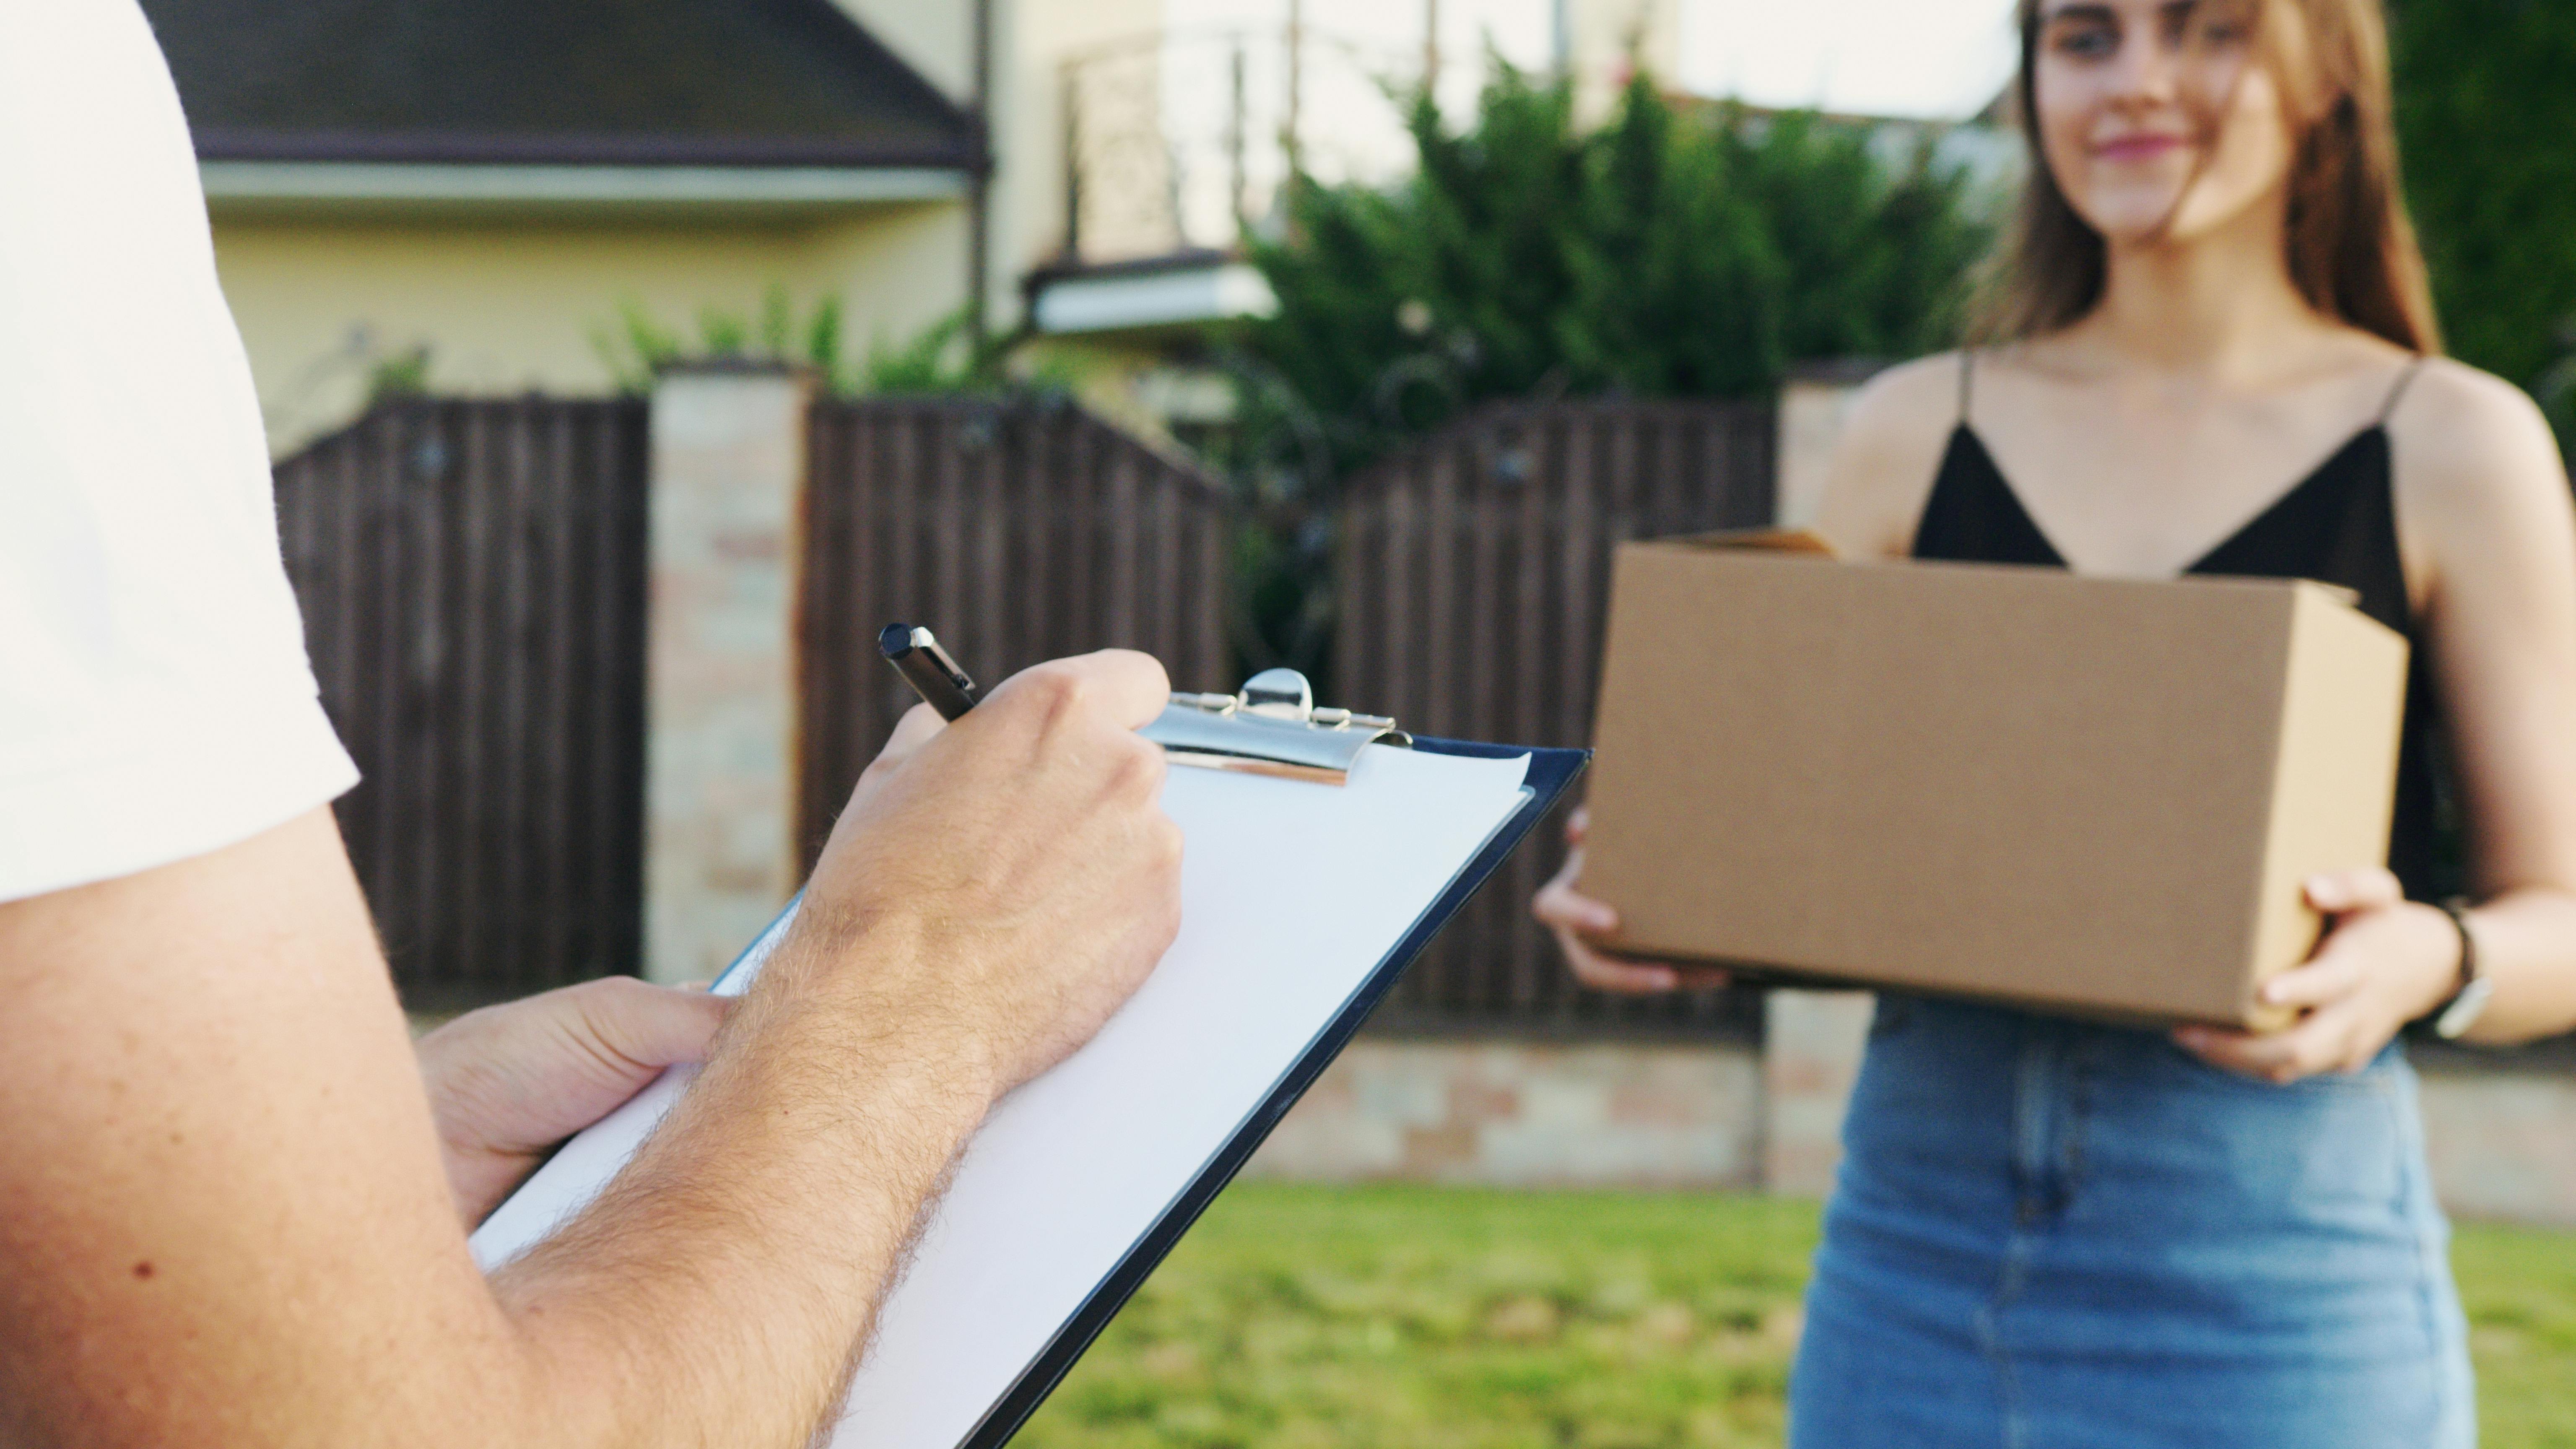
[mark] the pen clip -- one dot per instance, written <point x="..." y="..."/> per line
<point x="930" y="646"/>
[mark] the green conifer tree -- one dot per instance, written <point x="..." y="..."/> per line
<point x="2486" y="109"/>
<point x="1671" y="253"/>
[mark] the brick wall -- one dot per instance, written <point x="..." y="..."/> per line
<point x="1524" y="1114"/>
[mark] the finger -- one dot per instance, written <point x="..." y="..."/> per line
<point x="1567" y="909"/>
<point x="1578" y="825"/>
<point x="2337" y="892"/>
<point x="1629" y="978"/>
<point x="648" y="1027"/>
<point x="2331" y="976"/>
<point x="914" y="730"/>
<point x="2329" y="1040"/>
<point x="1644" y="978"/>
<point x="2320" y="1041"/>
<point x="1130" y="687"/>
<point x="2233" y="1051"/>
<point x="1635" y="978"/>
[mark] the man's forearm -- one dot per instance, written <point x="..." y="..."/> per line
<point x="996" y="889"/>
<point x="718" y="1291"/>
<point x="224" y="1216"/>
<point x="307" y="1285"/>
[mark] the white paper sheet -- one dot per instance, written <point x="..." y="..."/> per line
<point x="1291" y="893"/>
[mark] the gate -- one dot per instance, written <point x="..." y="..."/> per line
<point x="1018" y="530"/>
<point x="1474" y="580"/>
<point x="472" y="581"/>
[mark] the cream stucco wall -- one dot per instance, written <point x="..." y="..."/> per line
<point x="504" y="305"/>
<point x="508" y="306"/>
<point x="1031" y="39"/>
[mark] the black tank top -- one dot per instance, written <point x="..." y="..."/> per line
<point x="2337" y="526"/>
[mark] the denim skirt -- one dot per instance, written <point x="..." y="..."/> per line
<point x="2049" y="1234"/>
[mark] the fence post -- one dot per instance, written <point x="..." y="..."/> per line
<point x="1811" y="1049"/>
<point x="1813" y="402"/>
<point x="726" y="544"/>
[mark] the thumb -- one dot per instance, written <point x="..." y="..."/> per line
<point x="2342" y="891"/>
<point x="642" y="1027"/>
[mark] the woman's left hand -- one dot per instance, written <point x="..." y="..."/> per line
<point x="2386" y="962"/>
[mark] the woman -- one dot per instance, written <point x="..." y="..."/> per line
<point x="2050" y="1233"/>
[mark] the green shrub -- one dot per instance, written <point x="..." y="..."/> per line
<point x="1671" y="252"/>
<point x="939" y="359"/>
<point x="2487" y="115"/>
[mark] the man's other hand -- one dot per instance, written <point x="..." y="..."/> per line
<point x="225" y="1214"/>
<point x="1054" y="751"/>
<point x="508" y="1082"/>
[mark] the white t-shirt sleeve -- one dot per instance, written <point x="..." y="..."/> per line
<point x="155" y="698"/>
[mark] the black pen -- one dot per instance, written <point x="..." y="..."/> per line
<point x="927" y="668"/>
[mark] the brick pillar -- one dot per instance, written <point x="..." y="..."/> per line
<point x="1813" y="403"/>
<point x="727" y="509"/>
<point x="1812" y="1040"/>
<point x="1811" y="1048"/>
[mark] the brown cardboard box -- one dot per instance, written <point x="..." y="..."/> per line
<point x="2094" y="795"/>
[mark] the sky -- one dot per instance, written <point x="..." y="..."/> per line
<point x="1934" y="59"/>
<point x="1929" y="58"/>
<point x="1937" y="58"/>
<point x="1879" y="58"/>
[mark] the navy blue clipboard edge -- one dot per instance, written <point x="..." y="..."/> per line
<point x="1550" y="773"/>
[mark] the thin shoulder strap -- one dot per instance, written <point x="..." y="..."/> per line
<point x="1967" y="381"/>
<point x="2397" y="393"/>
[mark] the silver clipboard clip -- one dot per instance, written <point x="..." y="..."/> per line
<point x="1271" y="728"/>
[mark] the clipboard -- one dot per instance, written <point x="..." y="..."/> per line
<point x="1240" y="735"/>
<point x="1551" y="772"/>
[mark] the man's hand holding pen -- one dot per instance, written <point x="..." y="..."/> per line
<point x="1024" y="853"/>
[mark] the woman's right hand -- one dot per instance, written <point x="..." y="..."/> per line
<point x="1564" y="910"/>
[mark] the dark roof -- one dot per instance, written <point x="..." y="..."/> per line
<point x="627" y="82"/>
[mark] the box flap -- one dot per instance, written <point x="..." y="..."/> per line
<point x="1769" y="540"/>
<point x="2334" y="790"/>
<point x="2349" y="598"/>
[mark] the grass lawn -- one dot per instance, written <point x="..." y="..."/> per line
<point x="1437" y="1318"/>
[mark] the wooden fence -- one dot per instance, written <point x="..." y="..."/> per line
<point x="472" y="574"/>
<point x="1019" y="531"/>
<point x="1474" y="578"/>
<point x="472" y="579"/>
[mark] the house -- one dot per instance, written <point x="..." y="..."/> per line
<point x="469" y="195"/>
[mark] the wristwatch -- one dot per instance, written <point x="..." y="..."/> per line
<point x="2469" y="1000"/>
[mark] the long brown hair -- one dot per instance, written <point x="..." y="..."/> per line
<point x="2352" y="249"/>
